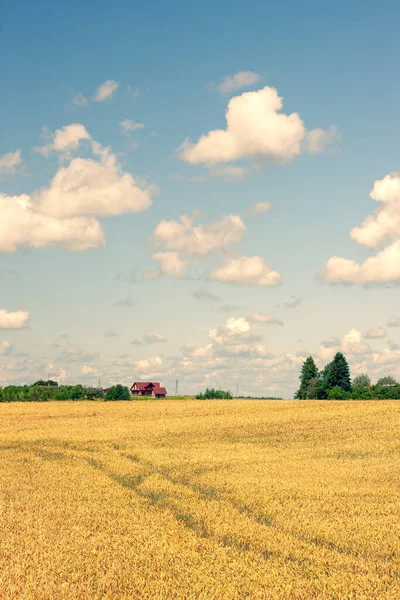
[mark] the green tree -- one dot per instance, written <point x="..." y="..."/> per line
<point x="117" y="392"/>
<point x="338" y="373"/>
<point x="361" y="381"/>
<point x="308" y="372"/>
<point x="388" y="380"/>
<point x="338" y="393"/>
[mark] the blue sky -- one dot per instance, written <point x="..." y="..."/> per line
<point x="166" y="66"/>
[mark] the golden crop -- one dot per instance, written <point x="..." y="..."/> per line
<point x="200" y="500"/>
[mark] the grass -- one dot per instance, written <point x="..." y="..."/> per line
<point x="200" y="500"/>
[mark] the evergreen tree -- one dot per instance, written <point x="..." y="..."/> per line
<point x="308" y="372"/>
<point x="338" y="373"/>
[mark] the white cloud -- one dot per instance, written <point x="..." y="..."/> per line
<point x="246" y="270"/>
<point x="153" y="363"/>
<point x="199" y="240"/>
<point x="384" y="225"/>
<point x="238" y="81"/>
<point x="380" y="269"/>
<point x="91" y="187"/>
<point x="394" y="322"/>
<point x="262" y="318"/>
<point x="259" y="208"/>
<point x="10" y="162"/>
<point x="23" y="225"/>
<point x="170" y="263"/>
<point x="106" y="90"/>
<point x="183" y="243"/>
<point x="255" y="130"/>
<point x="64" y="140"/>
<point x="236" y="332"/>
<point x="375" y="333"/>
<point x="87" y="370"/>
<point x="127" y="125"/>
<point x="378" y="229"/>
<point x="319" y="139"/>
<point x="150" y="338"/>
<point x="63" y="213"/>
<point x="17" y="319"/>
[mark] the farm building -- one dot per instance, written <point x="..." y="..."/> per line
<point x="148" y="388"/>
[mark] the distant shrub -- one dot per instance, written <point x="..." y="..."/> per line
<point x="388" y="380"/>
<point x="213" y="394"/>
<point x="117" y="392"/>
<point x="338" y="393"/>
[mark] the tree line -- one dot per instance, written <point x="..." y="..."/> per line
<point x="42" y="391"/>
<point x="333" y="382"/>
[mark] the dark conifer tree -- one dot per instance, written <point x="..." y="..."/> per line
<point x="308" y="372"/>
<point x="339" y="373"/>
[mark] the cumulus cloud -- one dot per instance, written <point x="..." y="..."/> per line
<point x="319" y="139"/>
<point x="248" y="270"/>
<point x="256" y="129"/>
<point x="23" y="225"/>
<point x="382" y="268"/>
<point x="352" y="345"/>
<point x="106" y="90"/>
<point x="65" y="140"/>
<point x="394" y="322"/>
<point x="94" y="187"/>
<point x="169" y="263"/>
<point x="382" y="228"/>
<point x="17" y="319"/>
<point x="10" y="162"/>
<point x="259" y="208"/>
<point x="151" y="364"/>
<point x="128" y="126"/>
<point x="375" y="333"/>
<point x="263" y="318"/>
<point x="183" y="236"/>
<point x="183" y="243"/>
<point x="150" y="338"/>
<point x="205" y="295"/>
<point x="236" y="332"/>
<point x="238" y="81"/>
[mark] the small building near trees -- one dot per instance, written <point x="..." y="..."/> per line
<point x="150" y="389"/>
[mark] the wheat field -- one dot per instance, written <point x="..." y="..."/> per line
<point x="206" y="500"/>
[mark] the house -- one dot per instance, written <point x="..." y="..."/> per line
<point x="148" y="388"/>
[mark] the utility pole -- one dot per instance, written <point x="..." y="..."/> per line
<point x="176" y="388"/>
<point x="237" y="390"/>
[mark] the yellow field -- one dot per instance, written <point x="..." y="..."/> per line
<point x="207" y="500"/>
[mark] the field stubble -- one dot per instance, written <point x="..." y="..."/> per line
<point x="200" y="500"/>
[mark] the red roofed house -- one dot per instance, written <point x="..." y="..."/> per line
<point x="148" y="388"/>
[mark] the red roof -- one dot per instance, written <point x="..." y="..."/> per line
<point x="160" y="390"/>
<point x="144" y="385"/>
